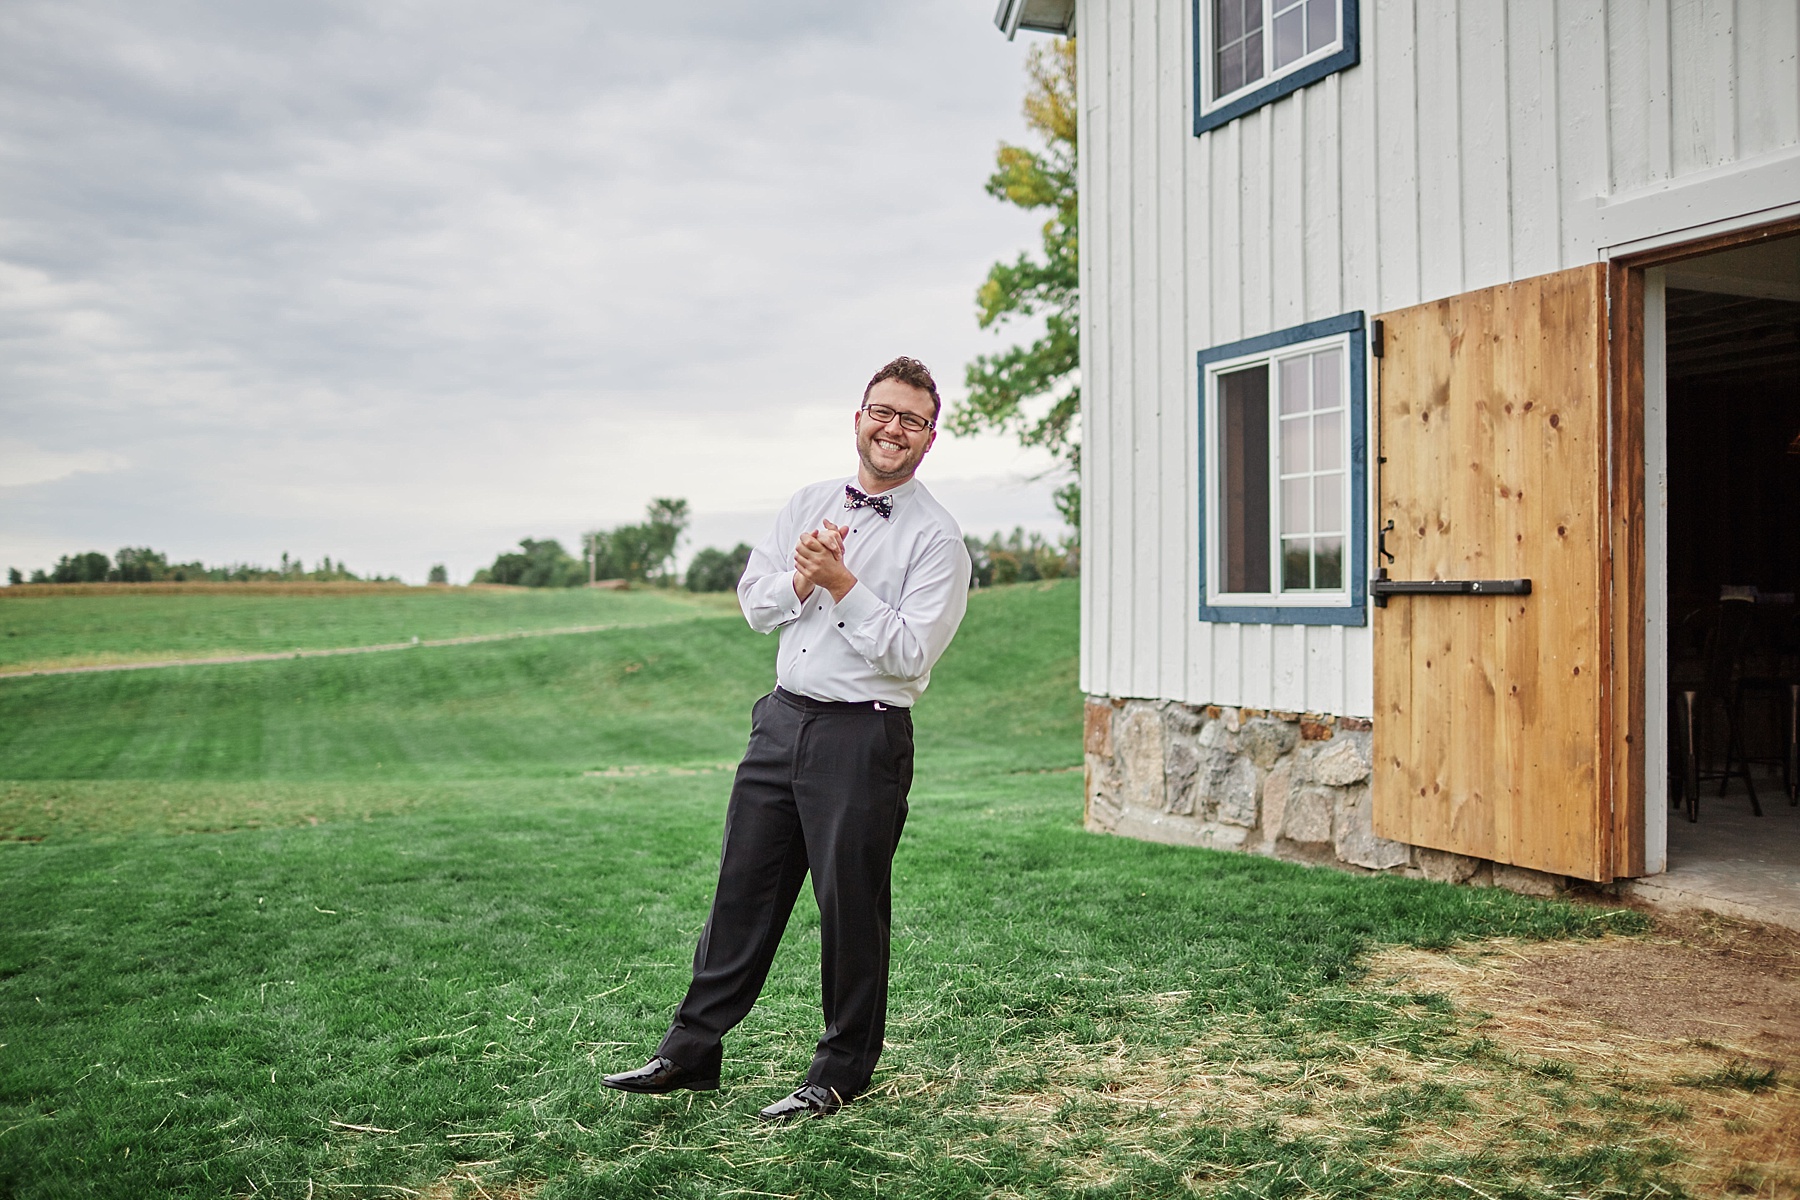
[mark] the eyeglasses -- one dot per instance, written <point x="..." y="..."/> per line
<point x="881" y="414"/>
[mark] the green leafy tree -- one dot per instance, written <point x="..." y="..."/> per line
<point x="1018" y="558"/>
<point x="438" y="574"/>
<point x="92" y="567"/>
<point x="1033" y="390"/>
<point x="715" y="570"/>
<point x="644" y="552"/>
<point x="139" y="564"/>
<point x="536" y="564"/>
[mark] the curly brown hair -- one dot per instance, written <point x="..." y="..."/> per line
<point x="912" y="373"/>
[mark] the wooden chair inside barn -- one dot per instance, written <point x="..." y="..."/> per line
<point x="1768" y="677"/>
<point x="1712" y="702"/>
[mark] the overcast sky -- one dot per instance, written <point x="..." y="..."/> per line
<point x="402" y="283"/>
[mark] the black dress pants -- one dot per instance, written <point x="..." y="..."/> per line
<point x="823" y="788"/>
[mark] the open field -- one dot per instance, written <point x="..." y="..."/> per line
<point x="39" y="630"/>
<point x="374" y="927"/>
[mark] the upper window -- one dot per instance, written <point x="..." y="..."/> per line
<point x="1282" y="421"/>
<point x="1250" y="52"/>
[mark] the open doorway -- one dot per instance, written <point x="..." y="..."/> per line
<point x="1722" y="447"/>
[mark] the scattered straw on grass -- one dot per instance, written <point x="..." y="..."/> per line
<point x="1731" y="1079"/>
<point x="465" y="1185"/>
<point x="1443" y="1060"/>
<point x="639" y="770"/>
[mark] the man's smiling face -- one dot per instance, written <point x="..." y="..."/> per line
<point x="890" y="453"/>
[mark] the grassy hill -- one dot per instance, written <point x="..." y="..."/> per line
<point x="343" y="926"/>
<point x="39" y="630"/>
<point x="671" y="695"/>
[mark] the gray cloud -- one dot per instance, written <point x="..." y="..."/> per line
<point x="405" y="282"/>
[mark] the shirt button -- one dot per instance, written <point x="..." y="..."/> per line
<point x="840" y="624"/>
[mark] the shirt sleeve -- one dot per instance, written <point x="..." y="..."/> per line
<point x="766" y="591"/>
<point x="905" y="639"/>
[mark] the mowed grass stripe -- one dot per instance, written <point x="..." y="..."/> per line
<point x="550" y="706"/>
<point x="39" y="632"/>
<point x="473" y="639"/>
<point x="676" y="693"/>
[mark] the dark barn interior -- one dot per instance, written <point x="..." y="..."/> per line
<point x="1734" y="445"/>
<point x="1733" y="379"/>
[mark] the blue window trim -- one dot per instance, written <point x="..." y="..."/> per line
<point x="1348" y="56"/>
<point x="1356" y="613"/>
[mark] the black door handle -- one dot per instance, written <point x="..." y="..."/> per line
<point x="1381" y="589"/>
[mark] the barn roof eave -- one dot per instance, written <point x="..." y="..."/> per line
<point x="1042" y="16"/>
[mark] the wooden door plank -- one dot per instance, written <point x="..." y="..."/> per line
<point x="1494" y="423"/>
<point x="1564" y="795"/>
<point x="1625" y="552"/>
<point x="1394" y="736"/>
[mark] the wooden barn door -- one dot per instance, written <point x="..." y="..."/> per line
<point x="1492" y="730"/>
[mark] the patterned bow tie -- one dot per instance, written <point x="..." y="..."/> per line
<point x="881" y="504"/>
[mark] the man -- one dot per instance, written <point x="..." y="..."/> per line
<point x="867" y="579"/>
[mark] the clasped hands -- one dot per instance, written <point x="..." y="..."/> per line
<point x="819" y="562"/>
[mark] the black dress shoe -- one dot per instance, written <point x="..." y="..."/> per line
<point x="809" y="1101"/>
<point x="658" y="1076"/>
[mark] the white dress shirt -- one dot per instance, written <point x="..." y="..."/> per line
<point x="881" y="640"/>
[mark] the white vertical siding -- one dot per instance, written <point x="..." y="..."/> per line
<point x="1581" y="120"/>
<point x="1436" y="174"/>
<point x="1532" y="147"/>
<point x="1119" y="366"/>
<point x="1637" y="76"/>
<point x="1768" y="49"/>
<point x="1286" y="126"/>
<point x="1449" y="159"/>
<point x="1203" y="207"/>
<point x="1703" y="107"/>
<point x="1480" y="143"/>
<point x="1091" y="67"/>
<point x="1173" y="427"/>
<point x="1392" y="127"/>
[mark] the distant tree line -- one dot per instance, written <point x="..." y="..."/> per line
<point x="640" y="553"/>
<point x="645" y="553"/>
<point x="140" y="564"/>
<point x="715" y="570"/>
<point x="1021" y="558"/>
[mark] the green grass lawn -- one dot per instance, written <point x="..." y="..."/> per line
<point x="346" y="927"/>
<point x="49" y="631"/>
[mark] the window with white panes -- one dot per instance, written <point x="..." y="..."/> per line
<point x="1279" y="420"/>
<point x="1253" y="51"/>
<point x="1253" y="40"/>
<point x="1310" y="461"/>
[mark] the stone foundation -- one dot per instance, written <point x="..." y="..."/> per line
<point x="1287" y="785"/>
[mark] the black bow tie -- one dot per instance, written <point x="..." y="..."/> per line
<point x="881" y="504"/>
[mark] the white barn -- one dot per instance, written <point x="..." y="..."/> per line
<point x="1518" y="249"/>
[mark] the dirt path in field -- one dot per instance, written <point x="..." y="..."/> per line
<point x="414" y="644"/>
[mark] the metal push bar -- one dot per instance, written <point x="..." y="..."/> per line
<point x="1381" y="589"/>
